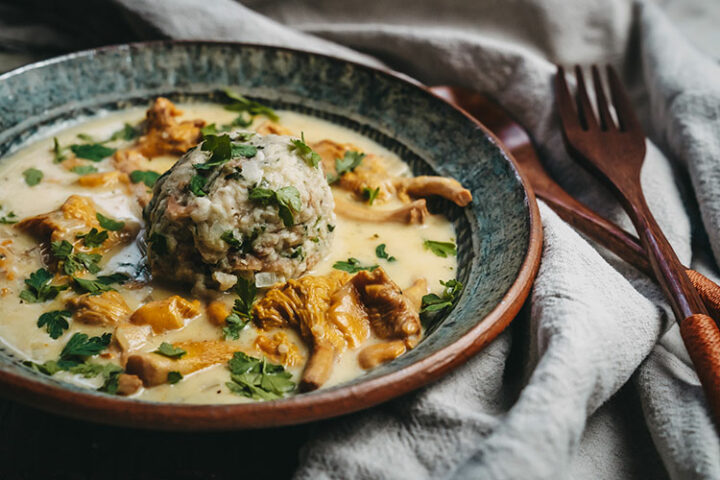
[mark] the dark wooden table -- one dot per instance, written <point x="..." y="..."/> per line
<point x="39" y="445"/>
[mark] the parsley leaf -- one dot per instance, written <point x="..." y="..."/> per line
<point x="148" y="177"/>
<point x="109" y="223"/>
<point x="174" y="377"/>
<point x="55" y="322"/>
<point x="381" y="253"/>
<point x="71" y="263"/>
<point x="441" y="249"/>
<point x="92" y="151"/>
<point x="33" y="176"/>
<point x="93" y="238"/>
<point x="93" y="287"/>
<point x="128" y="132"/>
<point x="311" y="158"/>
<point x="243" y="150"/>
<point x="8" y="219"/>
<point x="158" y="244"/>
<point x="170" y="351"/>
<point x="83" y="169"/>
<point x="229" y="237"/>
<point x="39" y="287"/>
<point x="287" y="200"/>
<point x="197" y="183"/>
<point x="209" y="130"/>
<point x="221" y="148"/>
<point x="240" y="315"/>
<point x="258" y="379"/>
<point x="435" y="303"/>
<point x="80" y="346"/>
<point x="352" y="265"/>
<point x="350" y="161"/>
<point x="58" y="156"/>
<point x="242" y="104"/>
<point x="370" y="194"/>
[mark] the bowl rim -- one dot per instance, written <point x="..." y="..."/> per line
<point x="112" y="410"/>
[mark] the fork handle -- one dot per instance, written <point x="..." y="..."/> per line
<point x="702" y="340"/>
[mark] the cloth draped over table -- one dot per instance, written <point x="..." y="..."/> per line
<point x="592" y="379"/>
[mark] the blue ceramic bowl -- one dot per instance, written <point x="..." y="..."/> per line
<point x="498" y="235"/>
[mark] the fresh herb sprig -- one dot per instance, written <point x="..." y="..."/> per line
<point x="311" y="158"/>
<point x="435" y="303"/>
<point x="171" y="351"/>
<point x="258" y="379"/>
<point x="350" y="161"/>
<point x="55" y="322"/>
<point x="441" y="249"/>
<point x="241" y="312"/>
<point x="74" y="262"/>
<point x="33" y="176"/>
<point x="39" y="287"/>
<point x="287" y="199"/>
<point x="381" y="253"/>
<point x="353" y="265"/>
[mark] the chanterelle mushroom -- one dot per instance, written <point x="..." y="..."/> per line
<point x="336" y="312"/>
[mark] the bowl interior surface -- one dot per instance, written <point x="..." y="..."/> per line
<point x="493" y="233"/>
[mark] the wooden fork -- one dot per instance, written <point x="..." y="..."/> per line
<point x="615" y="153"/>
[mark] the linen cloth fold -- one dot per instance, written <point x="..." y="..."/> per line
<point x="592" y="379"/>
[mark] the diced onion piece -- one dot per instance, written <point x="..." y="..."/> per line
<point x="268" y="279"/>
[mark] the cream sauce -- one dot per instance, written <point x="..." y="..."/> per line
<point x="18" y="328"/>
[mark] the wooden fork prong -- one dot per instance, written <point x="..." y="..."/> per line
<point x="623" y="107"/>
<point x="585" y="110"/>
<point x="568" y="115"/>
<point x="606" y="120"/>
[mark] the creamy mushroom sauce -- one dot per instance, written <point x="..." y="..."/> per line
<point x="18" y="330"/>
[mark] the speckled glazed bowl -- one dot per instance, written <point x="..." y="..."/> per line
<point x="498" y="235"/>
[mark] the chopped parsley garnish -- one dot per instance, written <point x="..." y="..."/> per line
<point x="350" y="161"/>
<point x="330" y="227"/>
<point x="128" y="132"/>
<point x="33" y="176"/>
<point x="370" y="194"/>
<point x="93" y="287"/>
<point x="80" y="346"/>
<point x="223" y="150"/>
<point x="8" y="219"/>
<point x="148" y="177"/>
<point x="381" y="253"/>
<point x="435" y="303"/>
<point x="253" y="108"/>
<point x="305" y="152"/>
<point x="441" y="249"/>
<point x="92" y="151"/>
<point x="287" y="200"/>
<point x="109" y="223"/>
<point x="169" y="350"/>
<point x="58" y="155"/>
<point x="258" y="379"/>
<point x="55" y="322"/>
<point x="243" y="150"/>
<point x="174" y="377"/>
<point x="73" y="262"/>
<point x="209" y="130"/>
<point x="93" y="238"/>
<point x="240" y="315"/>
<point x="39" y="287"/>
<point x="197" y="183"/>
<point x="73" y="359"/>
<point x="229" y="237"/>
<point x="353" y="265"/>
<point x="158" y="244"/>
<point x="83" y="169"/>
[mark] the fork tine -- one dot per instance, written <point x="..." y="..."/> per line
<point x="624" y="109"/>
<point x="606" y="120"/>
<point x="568" y="116"/>
<point x="585" y="110"/>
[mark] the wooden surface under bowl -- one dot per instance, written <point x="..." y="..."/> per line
<point x="499" y="235"/>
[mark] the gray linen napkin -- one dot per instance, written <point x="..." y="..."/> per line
<point x="592" y="379"/>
